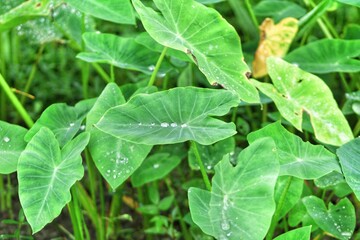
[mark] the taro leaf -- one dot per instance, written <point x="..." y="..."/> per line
<point x="278" y="9"/>
<point x="338" y="220"/>
<point x="211" y="154"/>
<point x="46" y="174"/>
<point x="352" y="104"/>
<point x="11" y="145"/>
<point x="241" y="202"/>
<point x="113" y="11"/>
<point x="26" y="11"/>
<point x="121" y="52"/>
<point x="351" y="2"/>
<point x="349" y="155"/>
<point x="298" y="158"/>
<point x="329" y="180"/>
<point x="327" y="55"/>
<point x="202" y="33"/>
<point x="293" y="188"/>
<point x="155" y="167"/>
<point x="119" y="159"/>
<point x="275" y="41"/>
<point x="61" y="119"/>
<point x="172" y="116"/>
<point x="303" y="233"/>
<point x="295" y="91"/>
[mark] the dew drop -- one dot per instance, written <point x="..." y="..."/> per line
<point x="209" y="167"/>
<point x="6" y="139"/>
<point x="151" y="68"/>
<point x="82" y="127"/>
<point x="156" y="165"/>
<point x="184" y="125"/>
<point x="173" y="124"/>
<point x="72" y="124"/>
<point x="225" y="225"/>
<point x="164" y="124"/>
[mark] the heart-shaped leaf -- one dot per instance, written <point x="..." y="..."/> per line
<point x="338" y="220"/>
<point x="303" y="233"/>
<point x="205" y="36"/>
<point x="121" y="52"/>
<point x="114" y="11"/>
<point x="46" y="174"/>
<point x="116" y="161"/>
<point x="298" y="158"/>
<point x="11" y="145"/>
<point x="349" y="155"/>
<point x="278" y="9"/>
<point x="327" y="55"/>
<point x="295" y="91"/>
<point x="241" y="202"/>
<point x="172" y="116"/>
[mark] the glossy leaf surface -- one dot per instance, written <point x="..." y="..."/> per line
<point x="114" y="11"/>
<point x="327" y="55"/>
<point x="297" y="158"/>
<point x="172" y="116"/>
<point x="303" y="233"/>
<point x="349" y="155"/>
<point x="205" y="36"/>
<point x="46" y="174"/>
<point x="11" y="145"/>
<point x="118" y="160"/>
<point x="241" y="202"/>
<point x="295" y="91"/>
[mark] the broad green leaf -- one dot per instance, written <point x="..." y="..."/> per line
<point x="327" y="55"/>
<point x="26" y="11"/>
<point x="211" y="154"/>
<point x="11" y="145"/>
<point x="352" y="104"/>
<point x="242" y="197"/>
<point x="293" y="188"/>
<point x="278" y="9"/>
<point x="172" y="116"/>
<point x="121" y="52"/>
<point x="295" y="91"/>
<point x="113" y="11"/>
<point x="202" y="33"/>
<point x="349" y="155"/>
<point x="61" y="119"/>
<point x="297" y="214"/>
<point x="338" y="220"/>
<point x="116" y="161"/>
<point x="46" y="174"/>
<point x="352" y="31"/>
<point x="329" y="180"/>
<point x="303" y="233"/>
<point x="351" y="2"/>
<point x="154" y="167"/>
<point x="297" y="158"/>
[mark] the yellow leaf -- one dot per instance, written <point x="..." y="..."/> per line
<point x="275" y="41"/>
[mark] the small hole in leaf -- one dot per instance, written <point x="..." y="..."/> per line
<point x="300" y="80"/>
<point x="248" y="74"/>
<point x="296" y="113"/>
<point x="38" y="5"/>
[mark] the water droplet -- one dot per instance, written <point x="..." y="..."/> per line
<point x="173" y="124"/>
<point x="184" y="125"/>
<point x="164" y="124"/>
<point x="225" y="225"/>
<point x="151" y="68"/>
<point x="72" y="124"/>
<point x="209" y="167"/>
<point x="82" y="127"/>
<point x="6" y="139"/>
<point x="156" y="165"/>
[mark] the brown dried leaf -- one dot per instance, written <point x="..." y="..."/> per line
<point x="275" y="40"/>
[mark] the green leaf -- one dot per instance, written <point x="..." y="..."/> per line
<point x="155" y="167"/>
<point x="209" y="1"/>
<point x="293" y="188"/>
<point x="205" y="36"/>
<point x="303" y="233"/>
<point x="211" y="154"/>
<point x="349" y="155"/>
<point x="11" y="145"/>
<point x="338" y="220"/>
<point x="327" y="55"/>
<point x="295" y="91"/>
<point x="46" y="174"/>
<point x="61" y="119"/>
<point x="116" y="161"/>
<point x="241" y="202"/>
<point x="350" y="2"/>
<point x="352" y="104"/>
<point x="26" y="11"/>
<point x="172" y="116"/>
<point x="121" y="52"/>
<point x="278" y="9"/>
<point x="297" y="158"/>
<point x="113" y="11"/>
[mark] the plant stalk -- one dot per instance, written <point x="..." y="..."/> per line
<point x="157" y="67"/>
<point x="201" y="165"/>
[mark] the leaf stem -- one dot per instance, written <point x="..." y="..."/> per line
<point x="251" y="12"/>
<point x="157" y="67"/>
<point x="201" y="165"/>
<point x="23" y="113"/>
<point x="279" y="206"/>
<point x="102" y="73"/>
